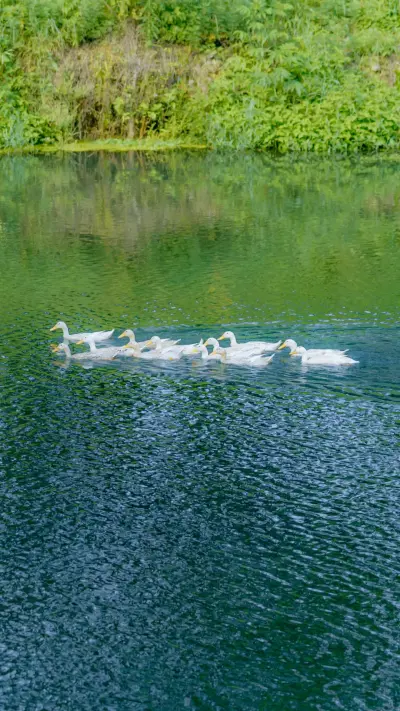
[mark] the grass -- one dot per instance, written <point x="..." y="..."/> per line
<point x="114" y="145"/>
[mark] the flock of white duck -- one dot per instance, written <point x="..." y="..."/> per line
<point x="251" y="353"/>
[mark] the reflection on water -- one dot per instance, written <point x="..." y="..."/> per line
<point x="201" y="239"/>
<point x="178" y="535"/>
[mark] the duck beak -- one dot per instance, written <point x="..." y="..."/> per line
<point x="79" y="343"/>
<point x="292" y="353"/>
<point x="282" y="346"/>
<point x="125" y="347"/>
<point x="123" y="335"/>
<point x="206" y="343"/>
<point x="54" y="328"/>
<point x="221" y="338"/>
<point x="149" y="344"/>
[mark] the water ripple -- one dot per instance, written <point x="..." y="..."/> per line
<point x="180" y="536"/>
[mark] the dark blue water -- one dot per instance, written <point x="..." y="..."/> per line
<point x="182" y="536"/>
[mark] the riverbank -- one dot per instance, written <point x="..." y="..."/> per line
<point x="155" y="145"/>
<point x="301" y="77"/>
<point x="147" y="145"/>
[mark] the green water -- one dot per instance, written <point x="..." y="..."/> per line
<point x="185" y="536"/>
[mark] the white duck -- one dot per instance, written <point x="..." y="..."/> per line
<point x="296" y="350"/>
<point x="324" y="358"/>
<point x="174" y="352"/>
<point x="260" y="346"/>
<point x="99" y="353"/>
<point x="168" y="352"/>
<point x="155" y="342"/>
<point x="75" y="337"/>
<point x="136" y="352"/>
<point x="171" y="353"/>
<point x="133" y="343"/>
<point x="245" y="358"/>
<point x="229" y="351"/>
<point x="64" y="348"/>
<point x="205" y="355"/>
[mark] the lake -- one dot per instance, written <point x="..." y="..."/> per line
<point x="193" y="536"/>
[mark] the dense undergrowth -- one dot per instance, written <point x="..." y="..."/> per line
<point x="304" y="75"/>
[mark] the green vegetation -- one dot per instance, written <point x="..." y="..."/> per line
<point x="149" y="144"/>
<point x="305" y="75"/>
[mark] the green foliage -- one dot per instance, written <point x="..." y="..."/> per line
<point x="189" y="22"/>
<point x="295" y="75"/>
<point x="351" y="119"/>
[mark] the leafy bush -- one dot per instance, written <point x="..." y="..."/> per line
<point x="296" y="75"/>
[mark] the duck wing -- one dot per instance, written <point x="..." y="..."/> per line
<point x="169" y="342"/>
<point x="101" y="335"/>
<point x="259" y="346"/>
<point x="328" y="359"/>
<point x="96" y="336"/>
<point x="326" y="351"/>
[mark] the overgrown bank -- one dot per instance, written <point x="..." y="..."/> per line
<point x="306" y="75"/>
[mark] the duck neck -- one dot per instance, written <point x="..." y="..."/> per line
<point x="92" y="346"/>
<point x="65" y="330"/>
<point x="233" y="340"/>
<point x="67" y="350"/>
<point x="204" y="352"/>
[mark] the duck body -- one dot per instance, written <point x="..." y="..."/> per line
<point x="296" y="350"/>
<point x="142" y="355"/>
<point x="259" y="361"/>
<point x="175" y="352"/>
<point x="167" y="352"/>
<point x="324" y="357"/>
<point x="217" y="348"/>
<point x="64" y="348"/>
<point x="99" y="353"/>
<point x="231" y="354"/>
<point x="245" y="358"/>
<point x="126" y="351"/>
<point x="256" y="346"/>
<point x="152" y="355"/>
<point x="97" y="336"/>
<point x="157" y="343"/>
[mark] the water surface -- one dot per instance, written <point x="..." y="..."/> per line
<point x="190" y="537"/>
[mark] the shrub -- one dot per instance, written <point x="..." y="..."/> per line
<point x="301" y="75"/>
